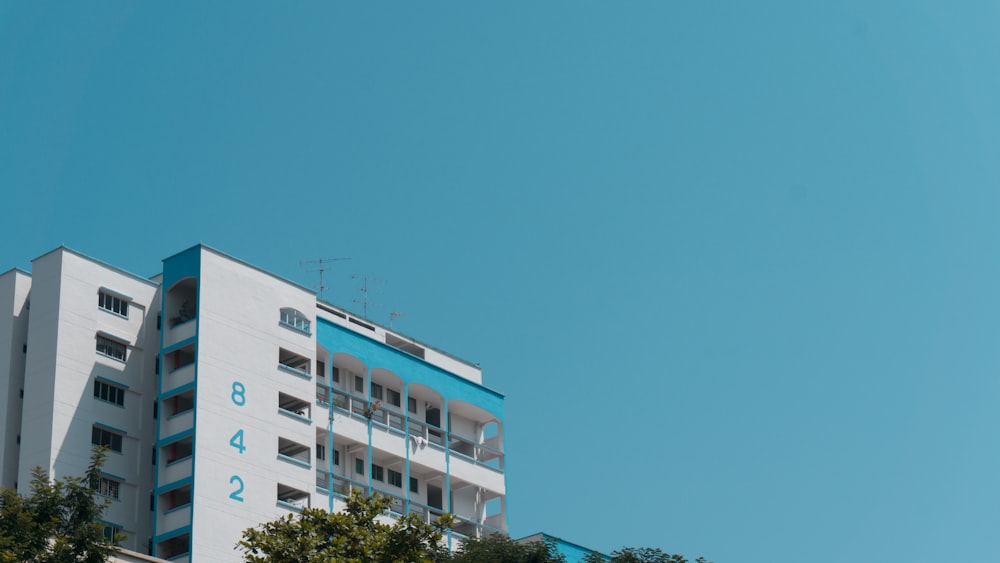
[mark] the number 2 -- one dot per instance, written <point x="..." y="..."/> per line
<point x="235" y="495"/>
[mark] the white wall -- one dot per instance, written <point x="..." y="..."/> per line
<point x="14" y="289"/>
<point x="59" y="405"/>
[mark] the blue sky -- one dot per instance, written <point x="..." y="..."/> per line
<point x="732" y="263"/>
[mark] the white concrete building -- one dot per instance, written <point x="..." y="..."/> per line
<point x="229" y="396"/>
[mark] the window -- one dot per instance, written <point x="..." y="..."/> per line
<point x="394" y="397"/>
<point x="335" y="376"/>
<point x="295" y="319"/>
<point x="411" y="405"/>
<point x="359" y="384"/>
<point x="376" y="391"/>
<point x="336" y="457"/>
<point x="395" y="478"/>
<point x="359" y="466"/>
<point x="414" y="485"/>
<point x="109" y="302"/>
<point x="108" y="392"/>
<point x="377" y="473"/>
<point x="320" y="452"/>
<point x="111" y="348"/>
<point x="108" y="487"/>
<point x="104" y="437"/>
<point x="110" y="532"/>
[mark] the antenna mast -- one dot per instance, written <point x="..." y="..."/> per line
<point x="393" y="315"/>
<point x="321" y="267"/>
<point x="364" y="289"/>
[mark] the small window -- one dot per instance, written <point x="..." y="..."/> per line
<point x="376" y="391"/>
<point x="335" y="374"/>
<point x="414" y="485"/>
<point x="359" y="384"/>
<point x="111" y="303"/>
<point x="395" y="478"/>
<point x="111" y="348"/>
<point x="377" y="473"/>
<point x="359" y="466"/>
<point x="295" y="319"/>
<point x="336" y="457"/>
<point x="104" y="437"/>
<point x="110" y="532"/>
<point x="320" y="452"/>
<point x="394" y="397"/>
<point x="108" y="392"/>
<point x="108" y="487"/>
<point x="411" y="405"/>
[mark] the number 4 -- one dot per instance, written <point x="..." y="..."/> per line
<point x="237" y="441"/>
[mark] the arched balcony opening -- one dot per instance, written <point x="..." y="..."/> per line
<point x="425" y="408"/>
<point x="322" y="377"/>
<point x="475" y="434"/>
<point x="348" y="383"/>
<point x="387" y="393"/>
<point x="181" y="302"/>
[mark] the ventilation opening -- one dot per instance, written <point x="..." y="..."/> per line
<point x="404" y="345"/>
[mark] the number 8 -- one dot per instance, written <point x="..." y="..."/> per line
<point x="239" y="394"/>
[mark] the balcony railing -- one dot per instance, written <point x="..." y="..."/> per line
<point x="477" y="452"/>
<point x="342" y="486"/>
<point x="358" y="407"/>
<point x="471" y="529"/>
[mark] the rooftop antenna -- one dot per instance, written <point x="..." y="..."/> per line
<point x="364" y="289"/>
<point x="321" y="267"/>
<point x="393" y="315"/>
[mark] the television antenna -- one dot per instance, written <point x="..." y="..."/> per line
<point x="320" y="266"/>
<point x="364" y="289"/>
<point x="393" y="315"/>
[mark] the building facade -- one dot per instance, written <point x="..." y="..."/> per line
<point x="228" y="396"/>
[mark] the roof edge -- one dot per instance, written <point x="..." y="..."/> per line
<point x="89" y="258"/>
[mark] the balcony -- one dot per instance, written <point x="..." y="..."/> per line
<point x="180" y="310"/>
<point x="476" y="452"/>
<point x="175" y="460"/>
<point x="466" y="527"/>
<point x="342" y="486"/>
<point x="295" y="364"/>
<point x="294" y="407"/>
<point x="291" y="498"/>
<point x="293" y="452"/>
<point x="173" y="424"/>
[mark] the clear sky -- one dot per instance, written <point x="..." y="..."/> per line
<point x="734" y="264"/>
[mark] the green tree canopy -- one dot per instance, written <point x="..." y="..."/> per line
<point x="353" y="536"/>
<point x="640" y="555"/>
<point x="57" y="522"/>
<point x="501" y="549"/>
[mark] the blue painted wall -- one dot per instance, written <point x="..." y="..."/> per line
<point x="409" y="368"/>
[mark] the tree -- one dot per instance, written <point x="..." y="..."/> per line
<point x="640" y="555"/>
<point x="352" y="536"/>
<point x="57" y="522"/>
<point x="501" y="549"/>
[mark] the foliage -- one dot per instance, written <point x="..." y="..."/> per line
<point x="640" y="555"/>
<point x="501" y="549"/>
<point x="57" y="523"/>
<point x="353" y="536"/>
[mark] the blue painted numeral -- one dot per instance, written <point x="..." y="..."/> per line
<point x="235" y="495"/>
<point x="239" y="396"/>
<point x="237" y="441"/>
